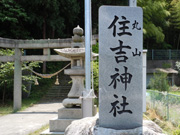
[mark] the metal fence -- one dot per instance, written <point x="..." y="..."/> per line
<point x="167" y="105"/>
<point x="163" y="54"/>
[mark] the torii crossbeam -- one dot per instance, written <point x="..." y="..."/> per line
<point x="17" y="45"/>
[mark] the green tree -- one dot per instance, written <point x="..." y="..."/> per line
<point x="95" y="6"/>
<point x="155" y="21"/>
<point x="159" y="82"/>
<point x="7" y="75"/>
<point x="51" y="18"/>
<point x="174" y="30"/>
<point x="95" y="63"/>
<point x="175" y="13"/>
<point x="12" y="20"/>
<point x="96" y="76"/>
<point x="178" y="65"/>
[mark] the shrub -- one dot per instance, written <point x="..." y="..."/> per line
<point x="177" y="131"/>
<point x="159" y="82"/>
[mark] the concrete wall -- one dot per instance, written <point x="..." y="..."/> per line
<point x="160" y="63"/>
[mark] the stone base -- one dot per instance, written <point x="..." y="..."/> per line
<point x="72" y="102"/>
<point x="47" y="132"/>
<point x="89" y="126"/>
<point x="59" y="125"/>
<point x="65" y="117"/>
<point x="73" y="113"/>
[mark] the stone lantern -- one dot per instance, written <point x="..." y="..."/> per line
<point x="77" y="71"/>
<point x="72" y="105"/>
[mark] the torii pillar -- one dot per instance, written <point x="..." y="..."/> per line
<point x="17" y="80"/>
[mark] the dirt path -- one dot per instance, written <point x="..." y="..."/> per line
<point x="29" y="120"/>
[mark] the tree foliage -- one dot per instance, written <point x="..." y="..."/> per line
<point x="159" y="82"/>
<point x="38" y="19"/>
<point x="95" y="6"/>
<point x="155" y="21"/>
<point x="175" y="13"/>
<point x="7" y="74"/>
<point x="51" y="18"/>
<point x="12" y="20"/>
<point x="178" y="65"/>
<point x="173" y="32"/>
<point x="56" y="19"/>
<point x="96" y="76"/>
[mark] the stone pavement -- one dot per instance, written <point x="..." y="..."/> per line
<point x="29" y="120"/>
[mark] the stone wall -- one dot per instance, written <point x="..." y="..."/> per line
<point x="161" y="63"/>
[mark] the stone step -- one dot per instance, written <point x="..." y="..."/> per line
<point x="59" y="125"/>
<point x="53" y="98"/>
<point x="60" y="89"/>
<point x="57" y="92"/>
<point x="70" y="113"/>
<point x="60" y="86"/>
<point x="56" y="95"/>
<point x="47" y="132"/>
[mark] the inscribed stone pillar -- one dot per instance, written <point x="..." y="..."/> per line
<point x="120" y="67"/>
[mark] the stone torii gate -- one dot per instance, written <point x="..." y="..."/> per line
<point x="18" y="45"/>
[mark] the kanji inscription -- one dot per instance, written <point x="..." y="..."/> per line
<point x="120" y="67"/>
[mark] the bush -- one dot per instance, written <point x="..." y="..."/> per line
<point x="159" y="82"/>
<point x="96" y="76"/>
<point x="7" y="75"/>
<point x="177" y="131"/>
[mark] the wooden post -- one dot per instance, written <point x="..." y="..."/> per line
<point x="17" y="80"/>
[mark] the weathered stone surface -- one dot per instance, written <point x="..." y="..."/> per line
<point x="77" y="38"/>
<point x="70" y="102"/>
<point x="77" y="86"/>
<point x="77" y="45"/>
<point x="78" y="31"/>
<point x="70" y="113"/>
<point x="120" y="67"/>
<point x="71" y="52"/>
<point x="82" y="127"/>
<point x="89" y="126"/>
<point x="75" y="72"/>
<point x="59" y="125"/>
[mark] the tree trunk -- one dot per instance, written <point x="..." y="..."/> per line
<point x="178" y="41"/>
<point x="4" y="93"/>
<point x="52" y="34"/>
<point x="44" y="28"/>
<point x="44" y="37"/>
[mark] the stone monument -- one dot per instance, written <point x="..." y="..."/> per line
<point x="120" y="67"/>
<point x="72" y="105"/>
